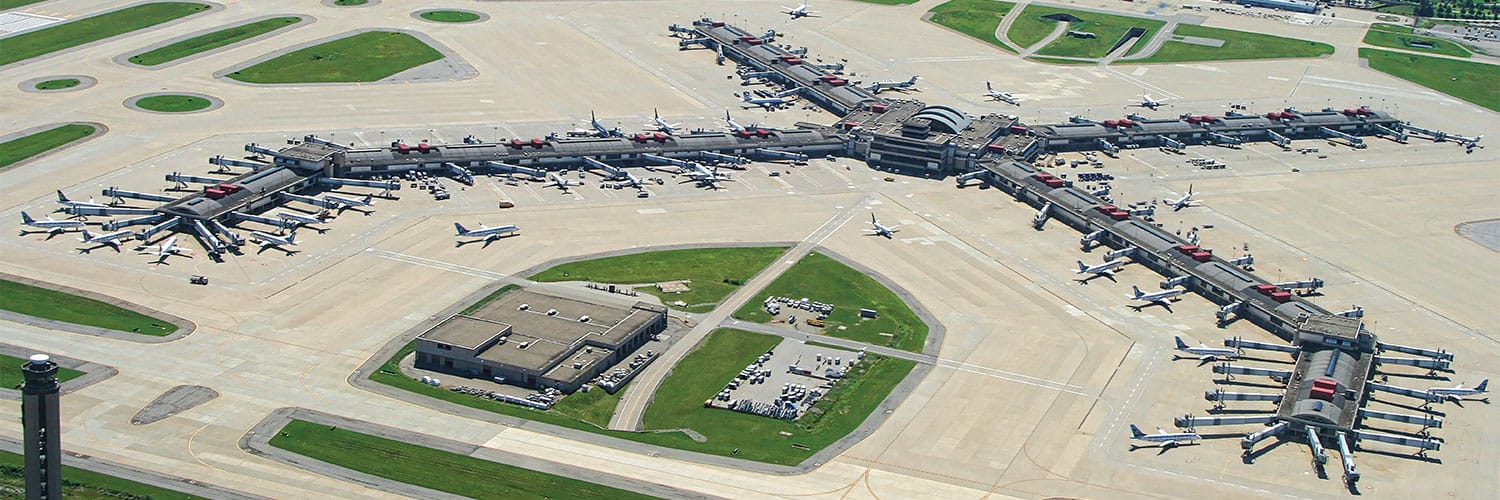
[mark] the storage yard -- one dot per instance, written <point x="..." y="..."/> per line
<point x="1327" y="201"/>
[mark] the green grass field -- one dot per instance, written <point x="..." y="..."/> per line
<point x="1237" y="45"/>
<point x="822" y="279"/>
<point x="715" y="272"/>
<point x="890" y="2"/>
<point x="1109" y="29"/>
<point x="365" y="57"/>
<point x="976" y="18"/>
<point x="21" y="148"/>
<point x="54" y="305"/>
<point x="450" y="16"/>
<point x="1397" y="37"/>
<point x="173" y="103"/>
<point x="212" y="41"/>
<point x="10" y="372"/>
<point x="350" y="3"/>
<point x="89" y="29"/>
<point x="81" y="484"/>
<point x="703" y="372"/>
<point x="430" y="468"/>
<point x="11" y="4"/>
<point x="1478" y="83"/>
<point x="61" y="83"/>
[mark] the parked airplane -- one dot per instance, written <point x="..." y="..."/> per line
<point x="878" y="229"/>
<point x="894" y="85"/>
<point x="296" y="220"/>
<point x="990" y="92"/>
<point x="555" y="180"/>
<point x="736" y="127"/>
<point x="601" y="130"/>
<point x="1106" y="270"/>
<point x="268" y="240"/>
<point x="799" y="11"/>
<point x="628" y="179"/>
<point x="344" y="202"/>
<point x="1149" y="103"/>
<point x="769" y="103"/>
<point x="71" y="203"/>
<point x="1163" y="297"/>
<point x="1205" y="353"/>
<point x="704" y="176"/>
<point x="166" y="249"/>
<point x="1164" y="440"/>
<point x="51" y="226"/>
<point x="1456" y="392"/>
<point x="1185" y="201"/>
<point x="488" y="233"/>
<point x="661" y="125"/>
<point x="111" y="239"/>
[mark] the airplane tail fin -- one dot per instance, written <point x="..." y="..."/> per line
<point x="292" y="237"/>
<point x="1137" y="290"/>
<point x="1135" y="432"/>
<point x="60" y="197"/>
<point x="1180" y="343"/>
<point x="988" y="86"/>
<point x="1482" y="384"/>
<point x="87" y="235"/>
<point x="913" y="80"/>
<point x="460" y="228"/>
<point x="745" y="96"/>
<point x="1081" y="267"/>
<point x="26" y="219"/>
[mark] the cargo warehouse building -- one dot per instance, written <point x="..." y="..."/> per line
<point x="537" y="340"/>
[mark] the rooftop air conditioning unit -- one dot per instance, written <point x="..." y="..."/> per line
<point x="524" y="307"/>
<point x="583" y="319"/>
<point x="552" y="312"/>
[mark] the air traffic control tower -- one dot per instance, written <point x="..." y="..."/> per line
<point x="39" y="417"/>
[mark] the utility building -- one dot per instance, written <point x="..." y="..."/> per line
<point x="537" y="340"/>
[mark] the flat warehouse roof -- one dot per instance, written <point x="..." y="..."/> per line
<point x="466" y="332"/>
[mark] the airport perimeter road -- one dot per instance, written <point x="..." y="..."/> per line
<point x="638" y="395"/>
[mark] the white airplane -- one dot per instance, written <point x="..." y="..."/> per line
<point x="1006" y="97"/>
<point x="1459" y="391"/>
<point x="878" y="229"/>
<point x="51" y="226"/>
<point x="799" y="11"/>
<point x="166" y="249"/>
<point x="1149" y="103"/>
<point x="661" y="125"/>
<point x="344" y="202"/>
<point x="1164" y="440"/>
<point x="268" y="240"/>
<point x="555" y="180"/>
<point x="769" y="103"/>
<point x="64" y="201"/>
<point x="1163" y="297"/>
<point x="894" y="85"/>
<point x="628" y="179"/>
<point x="111" y="239"/>
<point x="1185" y="201"/>
<point x="704" y="176"/>
<point x="1106" y="270"/>
<point x="1205" y="353"/>
<point x="297" y="220"/>
<point x="601" y="130"/>
<point x="488" y="233"/>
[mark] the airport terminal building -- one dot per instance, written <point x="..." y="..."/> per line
<point x="537" y="340"/>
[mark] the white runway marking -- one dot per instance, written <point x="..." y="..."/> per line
<point x="16" y="22"/>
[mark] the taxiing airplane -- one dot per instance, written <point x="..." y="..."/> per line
<point x="111" y="239"/>
<point x="1163" y="297"/>
<point x="1164" y="440"/>
<point x="799" y="11"/>
<point x="556" y="180"/>
<point x="64" y="201"/>
<point x="661" y="125"/>
<point x="296" y="220"/>
<point x="50" y="226"/>
<point x="268" y="240"/>
<point x="878" y="229"/>
<point x="1149" y="103"/>
<point x="1459" y="391"/>
<point x="1006" y="97"/>
<point x="895" y="85"/>
<point x="166" y="249"/>
<point x="1205" y="353"/>
<point x="769" y="103"/>
<point x="488" y="233"/>
<point x="1185" y="201"/>
<point x="1107" y="270"/>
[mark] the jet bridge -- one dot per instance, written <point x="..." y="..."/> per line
<point x="1431" y="353"/>
<point x="181" y="180"/>
<point x="1352" y="140"/>
<point x="116" y="225"/>
<point x="119" y="196"/>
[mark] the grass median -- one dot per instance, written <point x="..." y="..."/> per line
<point x="714" y="272"/>
<point x="50" y="304"/>
<point x="976" y="18"/>
<point x="450" y="16"/>
<point x="1474" y="82"/>
<point x="1402" y="37"/>
<point x="364" y="57"/>
<point x="820" y="278"/>
<point x="210" y="41"/>
<point x="432" y="468"/>
<point x="1238" y="45"/>
<point x="94" y="28"/>
<point x="79" y="483"/>
<point x="10" y="372"/>
<point x="58" y="84"/>
<point x="1107" y="30"/>
<point x="21" y="148"/>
